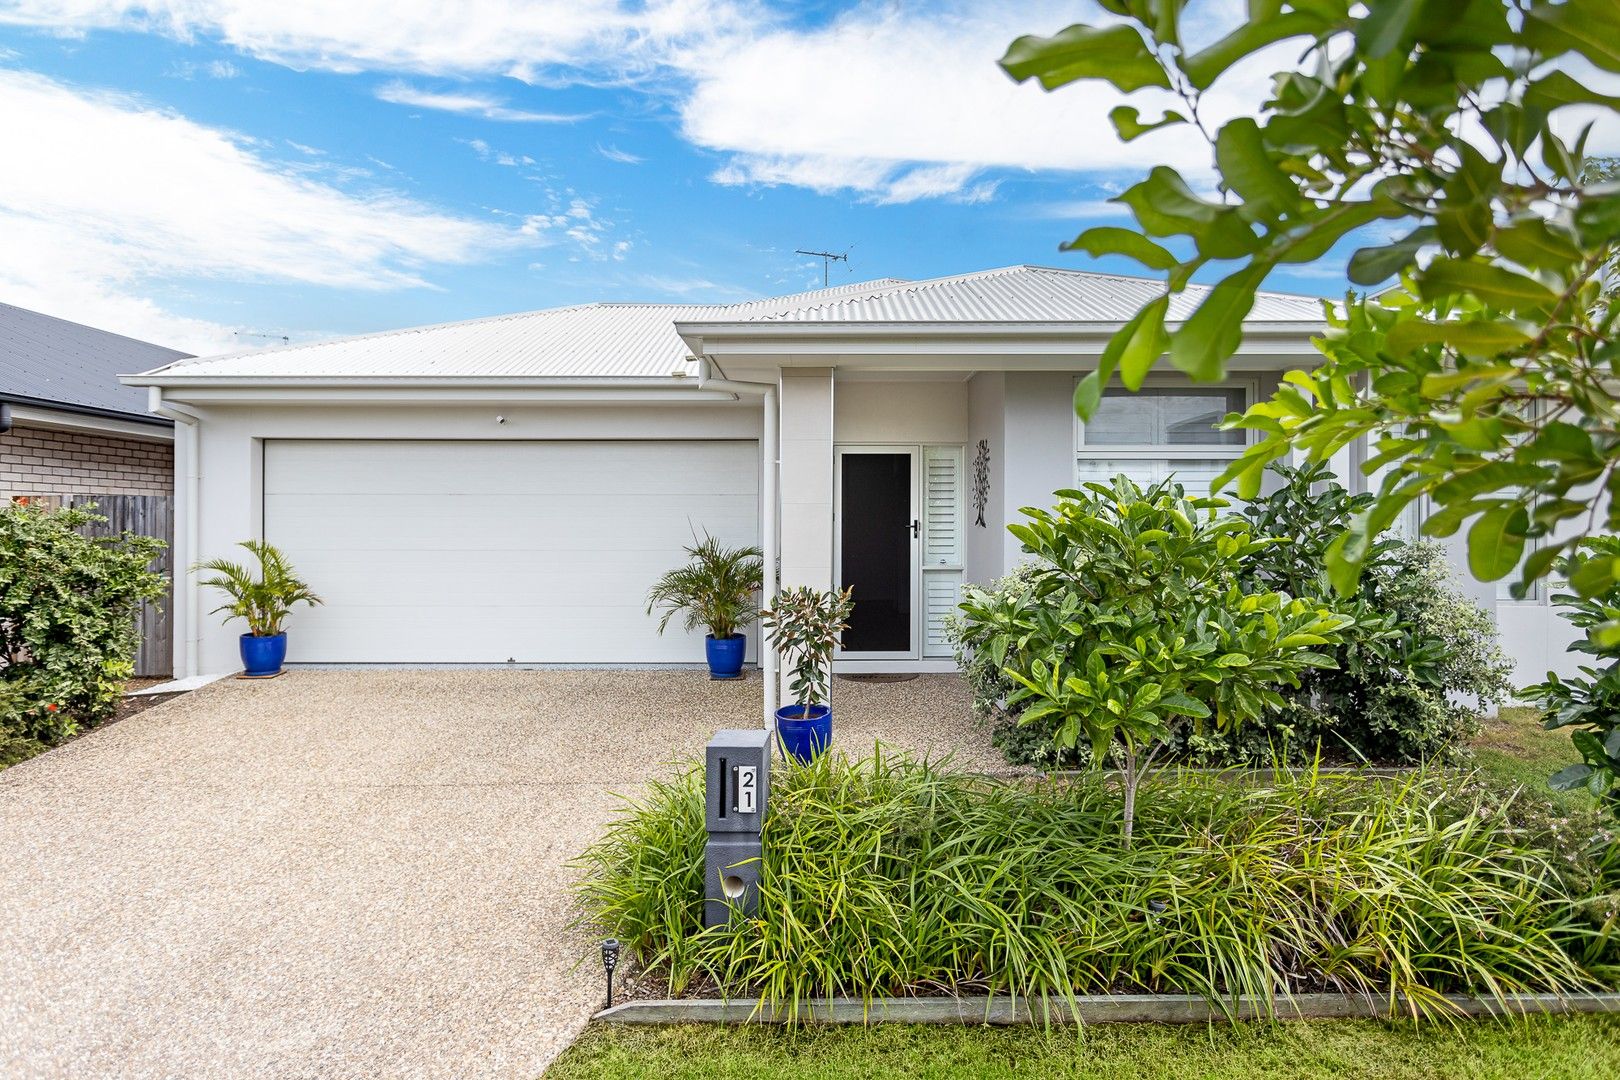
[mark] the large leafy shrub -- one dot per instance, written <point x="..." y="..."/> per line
<point x="1136" y="629"/>
<point x="1418" y="659"/>
<point x="1413" y="663"/>
<point x="1589" y="703"/>
<point x="68" y="605"/>
<point x="892" y="876"/>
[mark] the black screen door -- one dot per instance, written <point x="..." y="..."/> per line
<point x="875" y="536"/>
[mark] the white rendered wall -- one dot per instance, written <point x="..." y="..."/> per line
<point x="987" y="420"/>
<point x="807" y="477"/>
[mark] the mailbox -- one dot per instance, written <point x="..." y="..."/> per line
<point x="737" y="784"/>
<point x="737" y="765"/>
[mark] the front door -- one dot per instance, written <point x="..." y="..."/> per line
<point x="877" y="550"/>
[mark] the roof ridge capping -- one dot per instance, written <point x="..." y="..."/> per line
<point x="966" y="280"/>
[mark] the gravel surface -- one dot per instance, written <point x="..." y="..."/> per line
<point x="349" y="874"/>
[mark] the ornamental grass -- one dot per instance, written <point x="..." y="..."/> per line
<point x="891" y="876"/>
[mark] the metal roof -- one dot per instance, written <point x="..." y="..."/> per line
<point x="48" y="361"/>
<point x="1024" y="294"/>
<point x="642" y="340"/>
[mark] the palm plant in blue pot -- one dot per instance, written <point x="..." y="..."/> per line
<point x="263" y="599"/>
<point x="804" y="627"/>
<point x="717" y="588"/>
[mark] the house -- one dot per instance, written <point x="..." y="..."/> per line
<point x="70" y="432"/>
<point x="505" y="489"/>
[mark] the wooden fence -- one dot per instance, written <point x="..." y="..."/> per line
<point x="146" y="515"/>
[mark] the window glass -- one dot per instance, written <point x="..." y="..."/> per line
<point x="1164" y="417"/>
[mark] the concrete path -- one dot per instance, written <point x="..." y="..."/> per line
<point x="347" y="874"/>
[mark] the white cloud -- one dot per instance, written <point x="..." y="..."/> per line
<point x="623" y="157"/>
<point x="104" y="197"/>
<point x="468" y="103"/>
<point x="521" y="38"/>
<point x="896" y="103"/>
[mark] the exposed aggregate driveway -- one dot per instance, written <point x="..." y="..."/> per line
<point x="349" y="873"/>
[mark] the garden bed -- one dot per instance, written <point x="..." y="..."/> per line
<point x="890" y="878"/>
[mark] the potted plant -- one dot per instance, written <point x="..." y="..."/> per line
<point x="716" y="589"/>
<point x="263" y="600"/>
<point x="804" y="627"/>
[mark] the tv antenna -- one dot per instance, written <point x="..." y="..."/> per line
<point x="283" y="338"/>
<point x="827" y="259"/>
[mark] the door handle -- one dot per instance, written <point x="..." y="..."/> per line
<point x="916" y="528"/>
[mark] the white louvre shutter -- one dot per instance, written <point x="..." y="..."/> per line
<point x="942" y="554"/>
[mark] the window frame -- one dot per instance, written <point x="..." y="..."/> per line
<point x="1170" y="452"/>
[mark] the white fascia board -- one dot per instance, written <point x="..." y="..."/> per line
<point x="954" y="346"/>
<point x="441" y="391"/>
<point x="31" y="416"/>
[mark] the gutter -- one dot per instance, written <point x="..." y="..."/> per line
<point x="187" y="617"/>
<point x="770" y="449"/>
<point x="82" y="410"/>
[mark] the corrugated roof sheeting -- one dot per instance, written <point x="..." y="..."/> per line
<point x="586" y="341"/>
<point x="640" y="340"/>
<point x="1029" y="294"/>
<point x="49" y="359"/>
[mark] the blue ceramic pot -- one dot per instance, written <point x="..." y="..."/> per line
<point x="263" y="655"/>
<point x="804" y="732"/>
<point x="725" y="655"/>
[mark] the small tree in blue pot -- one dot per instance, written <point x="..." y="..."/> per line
<point x="717" y="589"/>
<point x="804" y="627"/>
<point x="263" y="599"/>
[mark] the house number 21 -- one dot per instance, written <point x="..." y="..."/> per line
<point x="745" y="785"/>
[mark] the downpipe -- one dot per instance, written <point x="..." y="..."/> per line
<point x="771" y="461"/>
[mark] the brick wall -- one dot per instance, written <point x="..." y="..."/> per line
<point x="34" y="461"/>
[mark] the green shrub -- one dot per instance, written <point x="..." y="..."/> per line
<point x="893" y="877"/>
<point x="1588" y="703"/>
<point x="1414" y="663"/>
<point x="1419" y="658"/>
<point x="68" y="605"/>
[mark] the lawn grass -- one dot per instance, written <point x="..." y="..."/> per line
<point x="1573" y="1048"/>
<point x="1514" y="747"/>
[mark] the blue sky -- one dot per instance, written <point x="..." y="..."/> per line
<point x="198" y="173"/>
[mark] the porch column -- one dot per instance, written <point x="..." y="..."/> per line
<point x="807" y="477"/>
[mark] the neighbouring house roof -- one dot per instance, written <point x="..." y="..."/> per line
<point x="629" y="340"/>
<point x="52" y="363"/>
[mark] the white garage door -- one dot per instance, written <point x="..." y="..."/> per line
<point x="484" y="552"/>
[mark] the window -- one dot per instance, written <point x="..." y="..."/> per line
<point x="1159" y="431"/>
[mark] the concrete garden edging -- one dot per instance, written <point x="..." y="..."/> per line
<point x="1088" y="1009"/>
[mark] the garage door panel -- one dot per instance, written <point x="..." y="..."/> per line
<point x="462" y="522"/>
<point x="480" y="552"/>
<point x="507" y="469"/>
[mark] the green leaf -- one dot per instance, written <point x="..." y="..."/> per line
<point x="1372" y="265"/>
<point x="1111" y="240"/>
<point x="1569" y="779"/>
<point x="1137" y="345"/>
<point x="1477" y="337"/>
<point x="1127" y="121"/>
<point x="1559" y="88"/>
<point x="1207" y="65"/>
<point x="1165" y="206"/>
<point x="1496" y="542"/>
<point x="1495" y="285"/>
<point x="1247" y="168"/>
<point x="1386" y="25"/>
<point x="1595" y="575"/>
<point x="1588" y="27"/>
<point x="1202" y="344"/>
<point x="1088" y="395"/>
<point x="1116" y="54"/>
